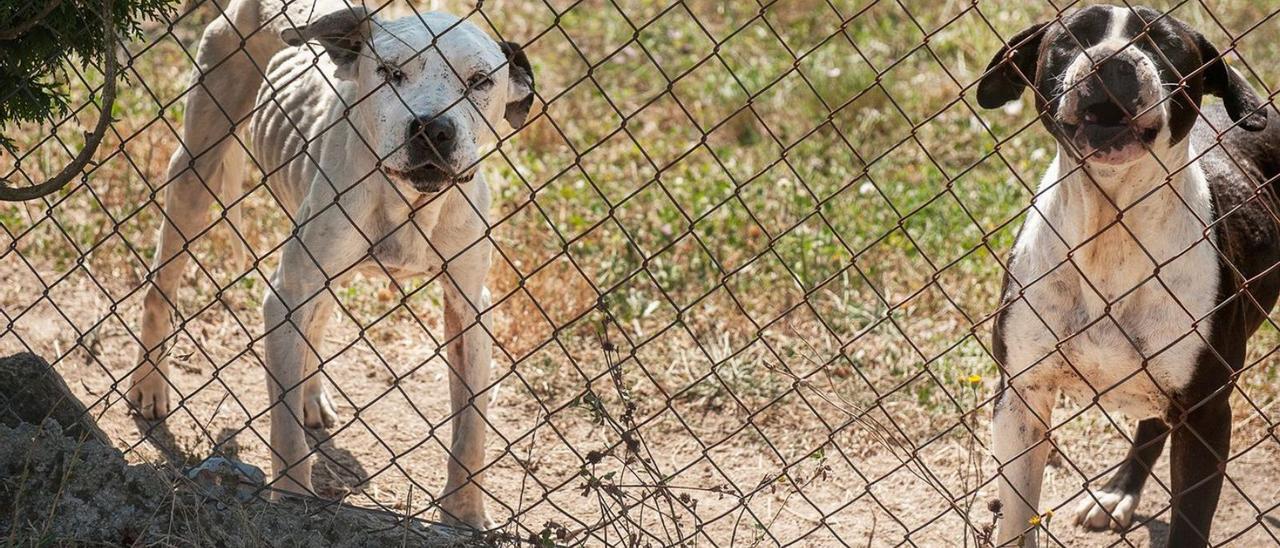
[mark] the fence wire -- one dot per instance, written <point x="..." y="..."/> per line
<point x="743" y="265"/>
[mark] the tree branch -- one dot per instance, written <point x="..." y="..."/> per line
<point x="9" y="193"/>
<point x="22" y="28"/>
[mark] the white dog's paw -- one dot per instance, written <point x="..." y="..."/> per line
<point x="242" y="258"/>
<point x="1106" y="510"/>
<point x="464" y="508"/>
<point x="149" y="396"/>
<point x="317" y="408"/>
<point x="287" y="485"/>
<point x="464" y="519"/>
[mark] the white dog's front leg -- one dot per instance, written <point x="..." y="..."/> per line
<point x="1021" y="449"/>
<point x="297" y="307"/>
<point x="470" y="355"/>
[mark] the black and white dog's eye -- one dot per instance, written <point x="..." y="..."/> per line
<point x="390" y="74"/>
<point x="479" y="81"/>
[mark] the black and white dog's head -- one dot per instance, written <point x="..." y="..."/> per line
<point x="1114" y="84"/>
<point x="430" y="89"/>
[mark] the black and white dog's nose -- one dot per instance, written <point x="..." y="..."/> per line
<point x="1113" y="93"/>
<point x="438" y="132"/>
<point x="1103" y="112"/>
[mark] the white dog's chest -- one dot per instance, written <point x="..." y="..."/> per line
<point x="401" y="261"/>
<point x="405" y="253"/>
<point x="440" y="231"/>
<point x="1119" y="313"/>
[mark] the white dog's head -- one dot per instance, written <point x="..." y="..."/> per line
<point x="432" y="89"/>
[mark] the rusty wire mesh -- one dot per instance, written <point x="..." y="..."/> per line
<point x="745" y="260"/>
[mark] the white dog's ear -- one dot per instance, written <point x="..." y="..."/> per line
<point x="520" y="84"/>
<point x="342" y="33"/>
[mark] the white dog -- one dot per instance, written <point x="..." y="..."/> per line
<point x="369" y="133"/>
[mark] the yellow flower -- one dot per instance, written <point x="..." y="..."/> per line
<point x="1043" y="519"/>
<point x="975" y="379"/>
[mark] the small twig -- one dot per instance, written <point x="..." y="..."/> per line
<point x="871" y="534"/>
<point x="408" y="509"/>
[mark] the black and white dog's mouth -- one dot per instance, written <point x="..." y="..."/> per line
<point x="428" y="177"/>
<point x="1111" y="141"/>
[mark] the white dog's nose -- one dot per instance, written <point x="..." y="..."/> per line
<point x="437" y="132"/>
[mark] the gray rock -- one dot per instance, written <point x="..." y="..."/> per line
<point x="31" y="391"/>
<point x="223" y="477"/>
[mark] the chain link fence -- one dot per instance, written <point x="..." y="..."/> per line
<point x="744" y="263"/>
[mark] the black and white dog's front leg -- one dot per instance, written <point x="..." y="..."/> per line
<point x="1021" y="422"/>
<point x="1201" y="445"/>
<point x="1112" y="507"/>
<point x="1200" y="419"/>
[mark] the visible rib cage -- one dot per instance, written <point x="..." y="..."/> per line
<point x="292" y="116"/>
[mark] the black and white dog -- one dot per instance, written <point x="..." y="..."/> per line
<point x="1145" y="262"/>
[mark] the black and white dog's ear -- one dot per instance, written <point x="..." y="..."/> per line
<point x="1242" y="103"/>
<point x="1012" y="69"/>
<point x="342" y="33"/>
<point x="520" y="84"/>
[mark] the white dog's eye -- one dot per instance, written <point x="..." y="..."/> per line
<point x="391" y="74"/>
<point x="479" y="81"/>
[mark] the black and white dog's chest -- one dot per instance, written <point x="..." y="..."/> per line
<point x="1113" y="308"/>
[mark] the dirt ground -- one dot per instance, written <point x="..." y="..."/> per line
<point x="769" y="411"/>
<point x="872" y="489"/>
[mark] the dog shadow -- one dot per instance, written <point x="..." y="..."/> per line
<point x="227" y="443"/>
<point x="162" y="438"/>
<point x="337" y="472"/>
<point x="1157" y="532"/>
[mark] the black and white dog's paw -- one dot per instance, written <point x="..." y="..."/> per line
<point x="1104" y="510"/>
